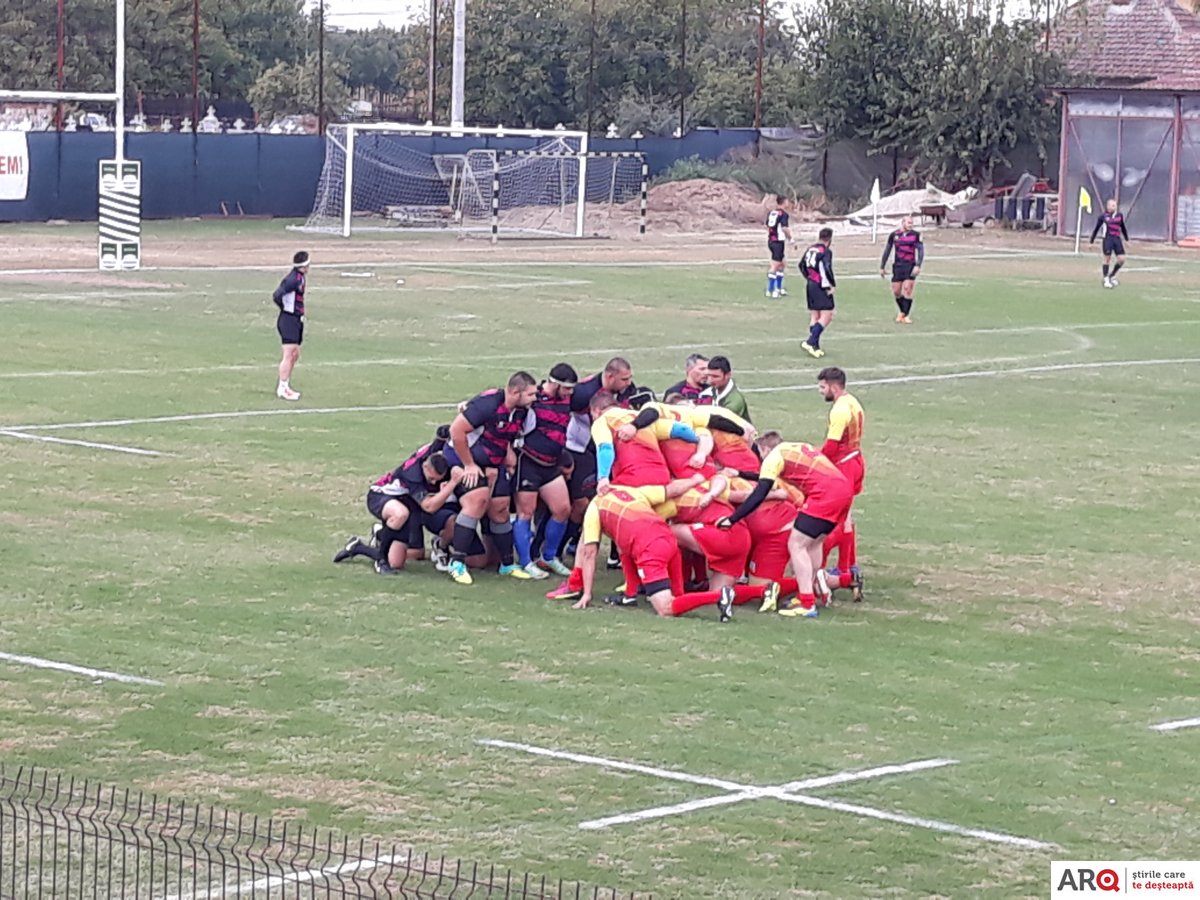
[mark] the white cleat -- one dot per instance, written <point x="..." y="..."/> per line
<point x="536" y="572"/>
<point x="821" y="584"/>
<point x="287" y="394"/>
<point x="1108" y="282"/>
<point x="781" y="293"/>
<point x="1114" y="281"/>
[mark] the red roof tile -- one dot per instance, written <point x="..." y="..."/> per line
<point x="1147" y="44"/>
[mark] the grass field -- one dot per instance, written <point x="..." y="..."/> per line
<point x="1029" y="534"/>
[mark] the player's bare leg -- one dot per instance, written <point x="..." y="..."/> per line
<point x="899" y="298"/>
<point x="906" y="301"/>
<point x="1112" y="276"/>
<point x="1108" y="282"/>
<point x="289" y="356"/>
<point x="806" y="559"/>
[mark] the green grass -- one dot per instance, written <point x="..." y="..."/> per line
<point x="1029" y="541"/>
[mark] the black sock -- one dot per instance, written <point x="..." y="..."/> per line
<point x="900" y="304"/>
<point x="1116" y="269"/>
<point x="386" y="538"/>
<point x="464" y="536"/>
<point x="1104" y="268"/>
<point x="572" y="535"/>
<point x="907" y="307"/>
<point x="502" y="535"/>
<point x="539" y="537"/>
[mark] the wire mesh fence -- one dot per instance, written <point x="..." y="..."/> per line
<point x="66" y="838"/>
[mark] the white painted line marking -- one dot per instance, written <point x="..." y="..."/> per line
<point x="39" y="663"/>
<point x="1176" y="725"/>
<point x="269" y="882"/>
<point x="116" y="448"/>
<point x="617" y="764"/>
<point x="737" y="793"/>
<point x="242" y="414"/>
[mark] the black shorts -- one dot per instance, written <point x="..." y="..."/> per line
<point x="902" y="272"/>
<point x="290" y="327"/>
<point x="583" y="477"/>
<point x="819" y="299"/>
<point x="777" y="250"/>
<point x="377" y="500"/>
<point x="813" y="527"/>
<point x="1114" y="246"/>
<point x="532" y="476"/>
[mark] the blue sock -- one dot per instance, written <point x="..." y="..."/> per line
<point x="554" y="534"/>
<point x="779" y="282"/>
<point x="523" y="538"/>
<point x="814" y="335"/>
<point x="770" y="282"/>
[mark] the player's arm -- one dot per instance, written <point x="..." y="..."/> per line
<point x="665" y="429"/>
<point x="1096" y="230"/>
<point x="606" y="454"/>
<point x="1124" y="232"/>
<point x="589" y="548"/>
<point x="730" y="422"/>
<point x="887" y="251"/>
<point x="459" y="429"/>
<point x="433" y="502"/>
<point x="772" y="468"/>
<point x="920" y="256"/>
<point x="839" y="421"/>
<point x="704" y="448"/>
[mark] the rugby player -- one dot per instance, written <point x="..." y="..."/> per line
<point x="817" y="268"/>
<point x="1112" y="223"/>
<point x="289" y="297"/>
<point x="843" y="447"/>
<point x="910" y="255"/>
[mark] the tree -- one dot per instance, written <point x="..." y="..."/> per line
<point x="291" y="89"/>
<point x="923" y="79"/>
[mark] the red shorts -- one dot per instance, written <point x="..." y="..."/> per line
<point x="737" y="456"/>
<point x="769" y="557"/>
<point x="855" y="470"/>
<point x="726" y="551"/>
<point x="830" y="504"/>
<point x="652" y="554"/>
<point x="678" y="455"/>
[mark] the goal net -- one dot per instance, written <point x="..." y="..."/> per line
<point x="379" y="178"/>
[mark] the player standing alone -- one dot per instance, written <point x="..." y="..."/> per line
<point x="778" y="230"/>
<point x="910" y="254"/>
<point x="1113" y="223"/>
<point x="817" y="268"/>
<point x="289" y="297"/>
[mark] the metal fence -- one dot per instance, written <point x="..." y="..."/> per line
<point x="65" y="838"/>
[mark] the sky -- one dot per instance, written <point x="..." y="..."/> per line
<point x="359" y="14"/>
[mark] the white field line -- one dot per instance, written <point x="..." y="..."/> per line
<point x="748" y="260"/>
<point x="243" y="414"/>
<point x="410" y="407"/>
<point x="269" y="882"/>
<point x="116" y="448"/>
<point x="779" y="792"/>
<point x="1176" y="725"/>
<point x="39" y="663"/>
<point x="603" y="351"/>
<point x="740" y="792"/>
<point x="987" y="373"/>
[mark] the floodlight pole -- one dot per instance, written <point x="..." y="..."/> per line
<point x="321" y="68"/>
<point x="62" y="40"/>
<point x="195" y="65"/>
<point x="431" y="74"/>
<point x="458" y="80"/>
<point x="119" y="72"/>
<point x="758" y="83"/>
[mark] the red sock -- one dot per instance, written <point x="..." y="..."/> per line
<point x="788" y="586"/>
<point x="848" y="547"/>
<point x="630" y="571"/>
<point x="845" y="580"/>
<point x="696" y="568"/>
<point x="742" y="593"/>
<point x="687" y="602"/>
<point x="808" y="601"/>
<point x="675" y="571"/>
<point x="575" y="582"/>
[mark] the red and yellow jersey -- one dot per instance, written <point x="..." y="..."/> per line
<point x="687" y="510"/>
<point x="845" y="426"/>
<point x="732" y="450"/>
<point x="638" y="461"/>
<point x="805" y="467"/>
<point x="623" y="511"/>
<point x="772" y="516"/>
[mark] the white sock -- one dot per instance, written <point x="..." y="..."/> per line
<point x="283" y="385"/>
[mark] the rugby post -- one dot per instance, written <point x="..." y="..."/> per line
<point x="875" y="212"/>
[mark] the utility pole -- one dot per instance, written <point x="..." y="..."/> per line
<point x="591" y="68"/>
<point x="758" y="84"/>
<point x="682" y="67"/>
<point x="321" y="68"/>
<point x="195" y="65"/>
<point x="431" y="74"/>
<point x="458" y="79"/>
<point x="62" y="40"/>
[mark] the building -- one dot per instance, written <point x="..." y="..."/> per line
<point x="1131" y="113"/>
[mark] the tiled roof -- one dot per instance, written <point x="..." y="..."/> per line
<point x="1147" y="44"/>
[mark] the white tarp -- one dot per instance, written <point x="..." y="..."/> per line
<point x="909" y="203"/>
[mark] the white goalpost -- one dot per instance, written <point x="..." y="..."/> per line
<point x="387" y="177"/>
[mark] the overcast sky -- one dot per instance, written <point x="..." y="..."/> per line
<point x="360" y="14"/>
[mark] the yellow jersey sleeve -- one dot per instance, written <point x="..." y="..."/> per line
<point x="654" y="494"/>
<point x="602" y="431"/>
<point x="772" y="466"/>
<point x="661" y="429"/>
<point x="668" y="510"/>
<point x="839" y="420"/>
<point x="591" y="524"/>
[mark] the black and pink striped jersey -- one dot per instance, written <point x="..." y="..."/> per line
<point x="496" y="427"/>
<point x="546" y="439"/>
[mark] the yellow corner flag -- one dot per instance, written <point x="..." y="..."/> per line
<point x="1085" y="199"/>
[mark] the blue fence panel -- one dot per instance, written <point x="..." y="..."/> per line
<point x="276" y="175"/>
